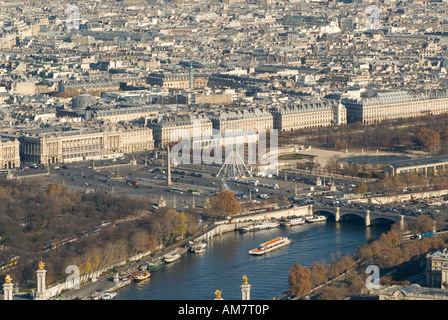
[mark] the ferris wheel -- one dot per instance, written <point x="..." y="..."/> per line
<point x="234" y="166"/>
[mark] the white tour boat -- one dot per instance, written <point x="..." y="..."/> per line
<point x="289" y="222"/>
<point x="168" y="258"/>
<point x="108" y="295"/>
<point x="271" y="245"/>
<point x="198" y="248"/>
<point x="260" y="226"/>
<point x="316" y="218"/>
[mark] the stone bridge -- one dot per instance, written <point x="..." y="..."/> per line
<point x="368" y="215"/>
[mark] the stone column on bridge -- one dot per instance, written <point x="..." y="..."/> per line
<point x="310" y="210"/>
<point x="401" y="222"/>
<point x="7" y="288"/>
<point x="245" y="289"/>
<point x="367" y="219"/>
<point x="337" y="215"/>
<point x="168" y="166"/>
<point x="41" y="282"/>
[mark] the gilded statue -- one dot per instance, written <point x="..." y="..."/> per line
<point x="8" y="279"/>
<point x="245" y="280"/>
<point x="218" y="294"/>
<point x="41" y="265"/>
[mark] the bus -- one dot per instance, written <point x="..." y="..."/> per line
<point x="11" y="262"/>
<point x="132" y="182"/>
<point x="177" y="190"/>
<point x="195" y="192"/>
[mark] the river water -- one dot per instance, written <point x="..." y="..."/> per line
<point x="226" y="260"/>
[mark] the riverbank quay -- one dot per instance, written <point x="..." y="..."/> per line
<point x="115" y="281"/>
<point x="95" y="289"/>
<point x="105" y="282"/>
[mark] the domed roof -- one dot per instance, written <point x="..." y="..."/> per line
<point x="83" y="101"/>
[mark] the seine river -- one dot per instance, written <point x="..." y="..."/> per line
<point x="226" y="260"/>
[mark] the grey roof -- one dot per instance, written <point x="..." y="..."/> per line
<point x="125" y="110"/>
<point x="179" y="120"/>
<point x="382" y="98"/>
<point x="439" y="254"/>
<point x="83" y="101"/>
<point x="243" y="114"/>
<point x="305" y="107"/>
<point x="420" y="162"/>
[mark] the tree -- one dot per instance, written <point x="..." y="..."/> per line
<point x="356" y="282"/>
<point x="421" y="224"/>
<point x="360" y="188"/>
<point x="223" y="204"/>
<point x="333" y="293"/>
<point x="440" y="221"/>
<point x="169" y="225"/>
<point x="318" y="275"/>
<point x="299" y="280"/>
<point x="55" y="189"/>
<point x="340" y="144"/>
<point x="333" y="163"/>
<point x="429" y="139"/>
<point x="388" y="240"/>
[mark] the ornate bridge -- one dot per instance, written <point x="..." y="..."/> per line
<point x="368" y="215"/>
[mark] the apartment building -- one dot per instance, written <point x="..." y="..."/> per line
<point x="308" y="115"/>
<point x="122" y="114"/>
<point x="254" y="119"/>
<point x="375" y="107"/>
<point x="9" y="153"/>
<point x="65" y="144"/>
<point x="437" y="269"/>
<point x="173" y="128"/>
<point x="177" y="81"/>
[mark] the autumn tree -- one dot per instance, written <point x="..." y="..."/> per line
<point x="439" y="220"/>
<point x="334" y="293"/>
<point x="299" y="280"/>
<point x="333" y="164"/>
<point x="360" y="188"/>
<point x="340" y="144"/>
<point x="429" y="139"/>
<point x="388" y="240"/>
<point x="223" y="204"/>
<point x="318" y="275"/>
<point x="356" y="282"/>
<point x="55" y="189"/>
<point x="421" y="224"/>
<point x="168" y="225"/>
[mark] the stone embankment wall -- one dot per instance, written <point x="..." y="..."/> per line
<point x="218" y="229"/>
<point x="57" y="289"/>
<point x="238" y="222"/>
<point x="401" y="197"/>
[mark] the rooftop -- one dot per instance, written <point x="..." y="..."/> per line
<point x="420" y="162"/>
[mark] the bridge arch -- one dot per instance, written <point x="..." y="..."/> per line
<point x="382" y="220"/>
<point x="368" y="216"/>
<point x="352" y="216"/>
<point x="325" y="212"/>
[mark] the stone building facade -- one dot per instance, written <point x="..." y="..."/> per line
<point x="172" y="129"/>
<point x="54" y="146"/>
<point x="255" y="120"/>
<point x="437" y="269"/>
<point x="381" y="106"/>
<point x="177" y="81"/>
<point x="9" y="153"/>
<point x="123" y="114"/>
<point x="309" y="115"/>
